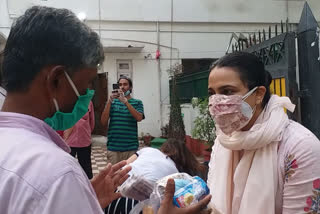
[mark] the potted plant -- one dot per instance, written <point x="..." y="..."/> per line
<point x="204" y="128"/>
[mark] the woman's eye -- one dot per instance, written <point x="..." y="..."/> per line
<point x="227" y="92"/>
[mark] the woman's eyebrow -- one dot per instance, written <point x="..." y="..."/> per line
<point x="226" y="86"/>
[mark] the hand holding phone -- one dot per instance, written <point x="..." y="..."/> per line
<point x="115" y="88"/>
<point x="115" y="92"/>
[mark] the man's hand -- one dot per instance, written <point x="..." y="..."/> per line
<point x="122" y="98"/>
<point x="114" y="95"/>
<point x="107" y="181"/>
<point x="167" y="206"/>
<point x="110" y="100"/>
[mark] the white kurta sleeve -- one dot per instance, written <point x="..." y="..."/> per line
<point x="69" y="194"/>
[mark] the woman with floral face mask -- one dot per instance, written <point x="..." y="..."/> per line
<point x="261" y="162"/>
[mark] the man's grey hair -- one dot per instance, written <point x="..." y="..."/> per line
<point x="48" y="36"/>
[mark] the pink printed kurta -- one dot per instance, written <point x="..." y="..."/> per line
<point x="298" y="172"/>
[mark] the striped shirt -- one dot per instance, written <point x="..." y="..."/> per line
<point x="121" y="206"/>
<point x="123" y="128"/>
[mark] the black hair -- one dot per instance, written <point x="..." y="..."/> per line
<point x="45" y="36"/>
<point x="185" y="161"/>
<point x="251" y="70"/>
<point x="128" y="79"/>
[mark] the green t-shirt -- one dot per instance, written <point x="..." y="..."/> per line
<point x="123" y="129"/>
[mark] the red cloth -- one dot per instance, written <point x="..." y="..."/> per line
<point x="60" y="133"/>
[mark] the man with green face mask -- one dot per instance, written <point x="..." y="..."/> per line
<point x="49" y="60"/>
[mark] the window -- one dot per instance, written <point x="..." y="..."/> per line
<point x="124" y="68"/>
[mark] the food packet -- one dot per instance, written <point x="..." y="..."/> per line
<point x="188" y="190"/>
<point x="191" y="193"/>
<point x="136" y="187"/>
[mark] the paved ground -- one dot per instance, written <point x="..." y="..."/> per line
<point x="98" y="158"/>
<point x="98" y="154"/>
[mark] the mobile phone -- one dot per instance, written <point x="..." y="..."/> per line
<point x="115" y="88"/>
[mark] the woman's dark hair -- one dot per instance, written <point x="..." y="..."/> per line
<point x="182" y="157"/>
<point x="251" y="70"/>
<point x="126" y="78"/>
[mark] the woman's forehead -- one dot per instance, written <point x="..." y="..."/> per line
<point x="224" y="76"/>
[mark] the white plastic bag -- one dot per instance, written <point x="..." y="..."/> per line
<point x="189" y="190"/>
<point x="136" y="187"/>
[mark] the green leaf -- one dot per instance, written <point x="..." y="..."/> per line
<point x="204" y="128"/>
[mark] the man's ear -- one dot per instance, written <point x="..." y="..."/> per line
<point x="260" y="92"/>
<point x="54" y="78"/>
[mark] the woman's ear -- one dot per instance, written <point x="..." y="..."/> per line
<point x="260" y="92"/>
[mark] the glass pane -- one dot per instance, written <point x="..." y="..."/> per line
<point x="123" y="65"/>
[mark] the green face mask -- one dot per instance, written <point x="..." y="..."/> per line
<point x="62" y="121"/>
<point x="127" y="93"/>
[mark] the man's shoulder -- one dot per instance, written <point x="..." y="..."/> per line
<point x="135" y="101"/>
<point x="40" y="164"/>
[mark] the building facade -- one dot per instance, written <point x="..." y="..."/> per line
<point x="143" y="39"/>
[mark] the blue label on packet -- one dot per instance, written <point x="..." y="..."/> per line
<point x="180" y="183"/>
<point x="194" y="190"/>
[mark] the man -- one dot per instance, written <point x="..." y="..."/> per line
<point x="49" y="60"/>
<point x="124" y="112"/>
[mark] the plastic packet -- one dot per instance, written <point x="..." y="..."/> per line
<point x="188" y="190"/>
<point x="149" y="206"/>
<point x="162" y="183"/>
<point x="136" y="187"/>
<point x="191" y="193"/>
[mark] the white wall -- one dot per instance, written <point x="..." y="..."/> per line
<point x="201" y="29"/>
<point x="5" y="21"/>
<point x="248" y="11"/>
<point x="189" y="115"/>
<point x="145" y="87"/>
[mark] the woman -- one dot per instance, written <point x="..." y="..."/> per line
<point x="262" y="162"/>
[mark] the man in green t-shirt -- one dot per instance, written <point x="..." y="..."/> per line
<point x="121" y="115"/>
